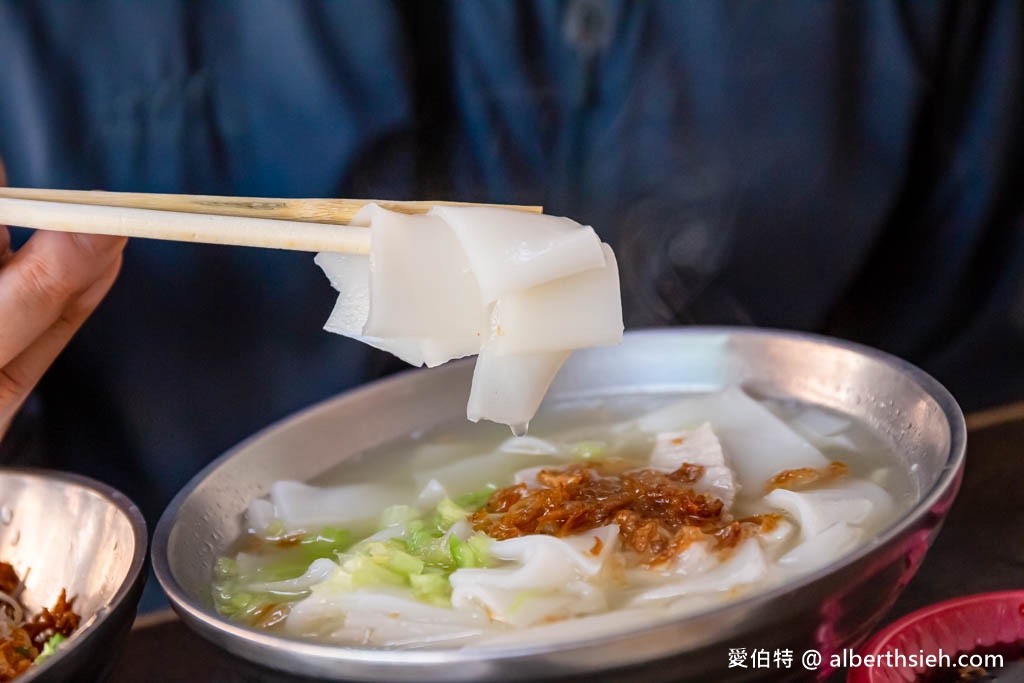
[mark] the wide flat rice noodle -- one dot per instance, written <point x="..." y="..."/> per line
<point x="529" y="445"/>
<point x="318" y="572"/>
<point x="509" y="389"/>
<point x="576" y="549"/>
<point x="762" y="443"/>
<point x="426" y="290"/>
<point x="825" y="547"/>
<point x="856" y="502"/>
<point x="522" y="608"/>
<point x="512" y="250"/>
<point x="746" y="565"/>
<point x="465" y="476"/>
<point x="701" y="447"/>
<point x="303" y="507"/>
<point x="379" y="618"/>
<point x="349" y="274"/>
<point x="581" y="628"/>
<point x="574" y="312"/>
<point x="544" y="581"/>
<point x="540" y="562"/>
<point x="421" y="285"/>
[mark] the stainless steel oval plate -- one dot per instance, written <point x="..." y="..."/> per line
<point x="831" y="608"/>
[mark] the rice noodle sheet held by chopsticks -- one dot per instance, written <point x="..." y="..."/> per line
<point x="521" y="290"/>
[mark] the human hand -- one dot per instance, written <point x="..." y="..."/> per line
<point x="48" y="288"/>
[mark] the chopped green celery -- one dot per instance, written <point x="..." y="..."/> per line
<point x="280" y="569"/>
<point x="366" y="572"/>
<point x="391" y="554"/>
<point x="225" y="568"/>
<point x="449" y="512"/>
<point x="397" y="514"/>
<point x="50" y="648"/>
<point x="590" y="450"/>
<point x="288" y="562"/>
<point x="231" y="594"/>
<point x="480" y="544"/>
<point x="475" y="500"/>
<point x="327" y="542"/>
<point x="428" y="544"/>
<point x="471" y="553"/>
<point x="240" y="605"/>
<point x="431" y="588"/>
<point x="417" y="535"/>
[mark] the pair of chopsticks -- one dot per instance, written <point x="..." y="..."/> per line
<point x="296" y="224"/>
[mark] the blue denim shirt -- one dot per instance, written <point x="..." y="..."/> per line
<point x="844" y="167"/>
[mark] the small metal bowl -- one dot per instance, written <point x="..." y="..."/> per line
<point x="64" y="531"/>
<point x="832" y="608"/>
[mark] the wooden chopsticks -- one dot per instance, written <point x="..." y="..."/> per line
<point x="297" y="224"/>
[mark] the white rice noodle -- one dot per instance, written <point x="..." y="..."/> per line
<point x="541" y="562"/>
<point x="509" y="389"/>
<point x="428" y="456"/>
<point x="529" y="445"/>
<point x="746" y="565"/>
<point x="350" y="276"/>
<point x="380" y="619"/>
<point x="701" y="447"/>
<point x="259" y="516"/>
<point x="823" y="428"/>
<point x="581" y="628"/>
<point x="303" y="507"/>
<point x="696" y="559"/>
<point x="575" y="550"/>
<point x="318" y="572"/>
<point x="421" y="286"/>
<point x="528" y="476"/>
<point x="826" y="546"/>
<point x="546" y="582"/>
<point x="461" y="530"/>
<point x="426" y="293"/>
<point x="511" y="251"/>
<point x="743" y="426"/>
<point x="821" y="422"/>
<point x="856" y="502"/>
<point x="527" y="607"/>
<point x="579" y="311"/>
<point x="431" y="493"/>
<point x="465" y="476"/>
<point x="779" y="537"/>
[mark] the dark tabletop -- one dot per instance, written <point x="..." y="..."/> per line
<point x="980" y="549"/>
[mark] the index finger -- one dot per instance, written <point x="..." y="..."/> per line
<point x="43" y="278"/>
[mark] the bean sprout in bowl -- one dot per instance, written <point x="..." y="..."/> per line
<point x="688" y="492"/>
